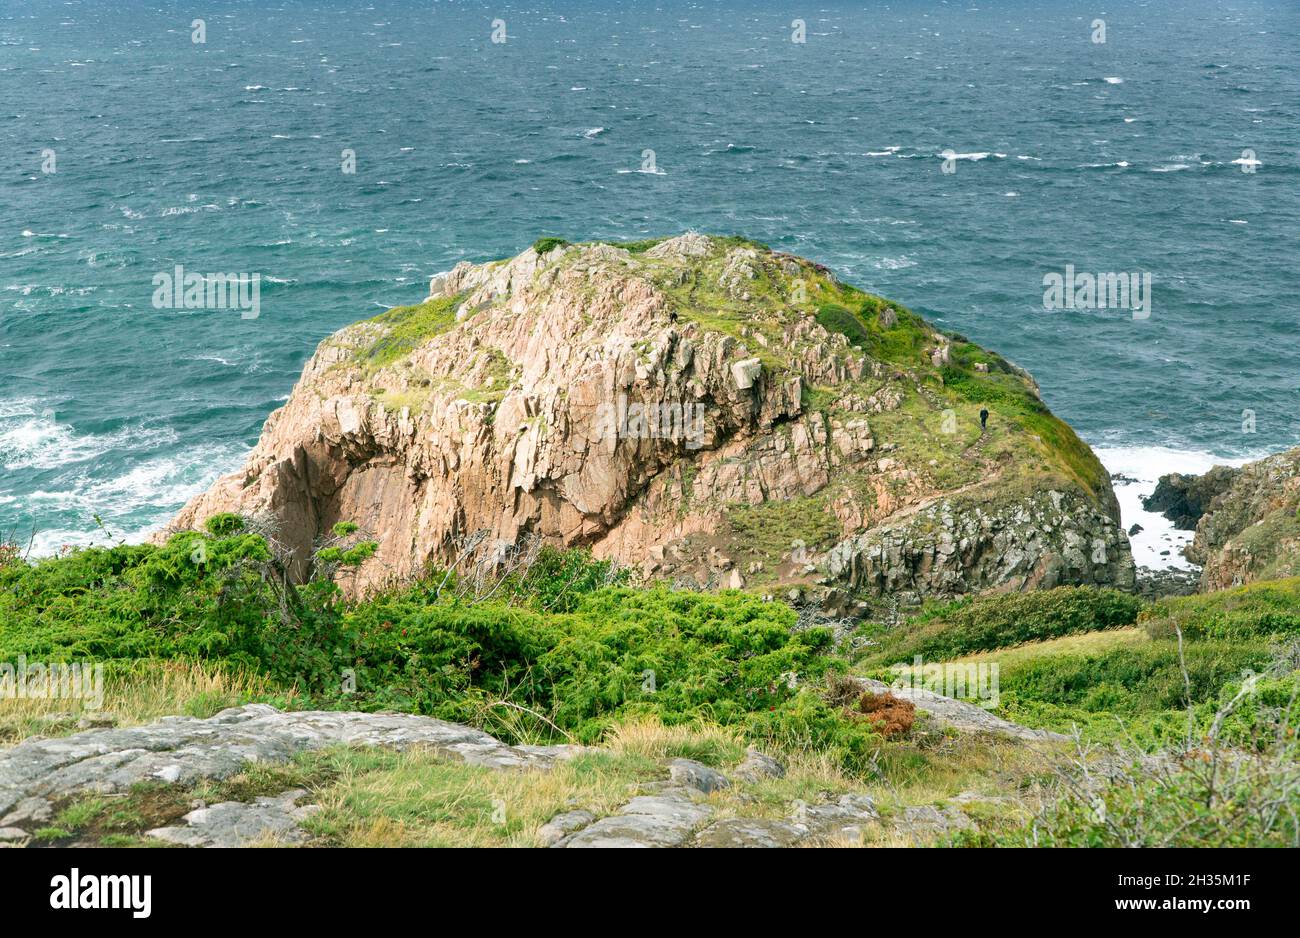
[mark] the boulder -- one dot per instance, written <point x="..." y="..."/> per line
<point x="696" y="775"/>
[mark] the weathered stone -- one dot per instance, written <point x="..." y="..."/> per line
<point x="511" y="423"/>
<point x="746" y="373"/>
<point x="848" y="816"/>
<point x="91" y="721"/>
<point x="1034" y="542"/>
<point x="924" y="821"/>
<point x="1183" y="499"/>
<point x="958" y="714"/>
<point x="554" y="830"/>
<point x="696" y="775"/>
<point x="750" y="832"/>
<point x="975" y="797"/>
<point x="665" y="819"/>
<point x="1247" y="519"/>
<point x="183" y="749"/>
<point x="233" y="824"/>
<point x="28" y="811"/>
<point x="758" y="766"/>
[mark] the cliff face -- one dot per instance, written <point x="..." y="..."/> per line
<point x="1249" y="525"/>
<point x="704" y="409"/>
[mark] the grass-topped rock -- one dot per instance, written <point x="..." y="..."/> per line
<point x="707" y="410"/>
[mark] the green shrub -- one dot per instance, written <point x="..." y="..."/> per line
<point x="680" y="656"/>
<point x="558" y="644"/>
<point x="1268" y="608"/>
<point x="546" y="245"/>
<point x="983" y="623"/>
<point x="405" y="328"/>
<point x="835" y="318"/>
<point x="224" y="524"/>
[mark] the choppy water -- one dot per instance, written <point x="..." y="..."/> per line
<point x="226" y="156"/>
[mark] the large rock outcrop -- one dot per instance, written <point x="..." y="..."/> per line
<point x="1247" y="520"/>
<point x="704" y="409"/>
<point x="1184" y="499"/>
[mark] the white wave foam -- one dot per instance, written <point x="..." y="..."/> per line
<point x="136" y="503"/>
<point x="1159" y="545"/>
<point x="31" y="440"/>
<point x="188" y="209"/>
<point x="17" y="407"/>
<point x="894" y="263"/>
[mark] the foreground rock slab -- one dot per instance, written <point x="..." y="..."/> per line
<point x="696" y="775"/>
<point x="664" y="819"/>
<point x="750" y="833"/>
<point x="185" y="749"/>
<point x="233" y="824"/>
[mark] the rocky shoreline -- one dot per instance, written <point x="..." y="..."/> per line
<point x="1246" y="519"/>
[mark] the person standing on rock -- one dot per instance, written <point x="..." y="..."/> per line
<point x="984" y="419"/>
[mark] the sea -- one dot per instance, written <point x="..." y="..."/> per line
<point x="953" y="156"/>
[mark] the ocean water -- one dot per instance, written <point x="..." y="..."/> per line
<point x="1123" y="156"/>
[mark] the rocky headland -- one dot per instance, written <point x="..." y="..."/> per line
<point x="703" y="409"/>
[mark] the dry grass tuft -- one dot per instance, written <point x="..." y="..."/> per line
<point x="149" y="690"/>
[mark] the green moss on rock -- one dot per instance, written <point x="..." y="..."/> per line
<point x="405" y="328"/>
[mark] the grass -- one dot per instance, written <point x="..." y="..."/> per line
<point x="417" y="803"/>
<point x="405" y="328"/>
<point x="414" y="799"/>
<point x="1089" y="643"/>
<point x="767" y="532"/>
<point x="1262" y="609"/>
<point x="141" y="691"/>
<point x="943" y="631"/>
